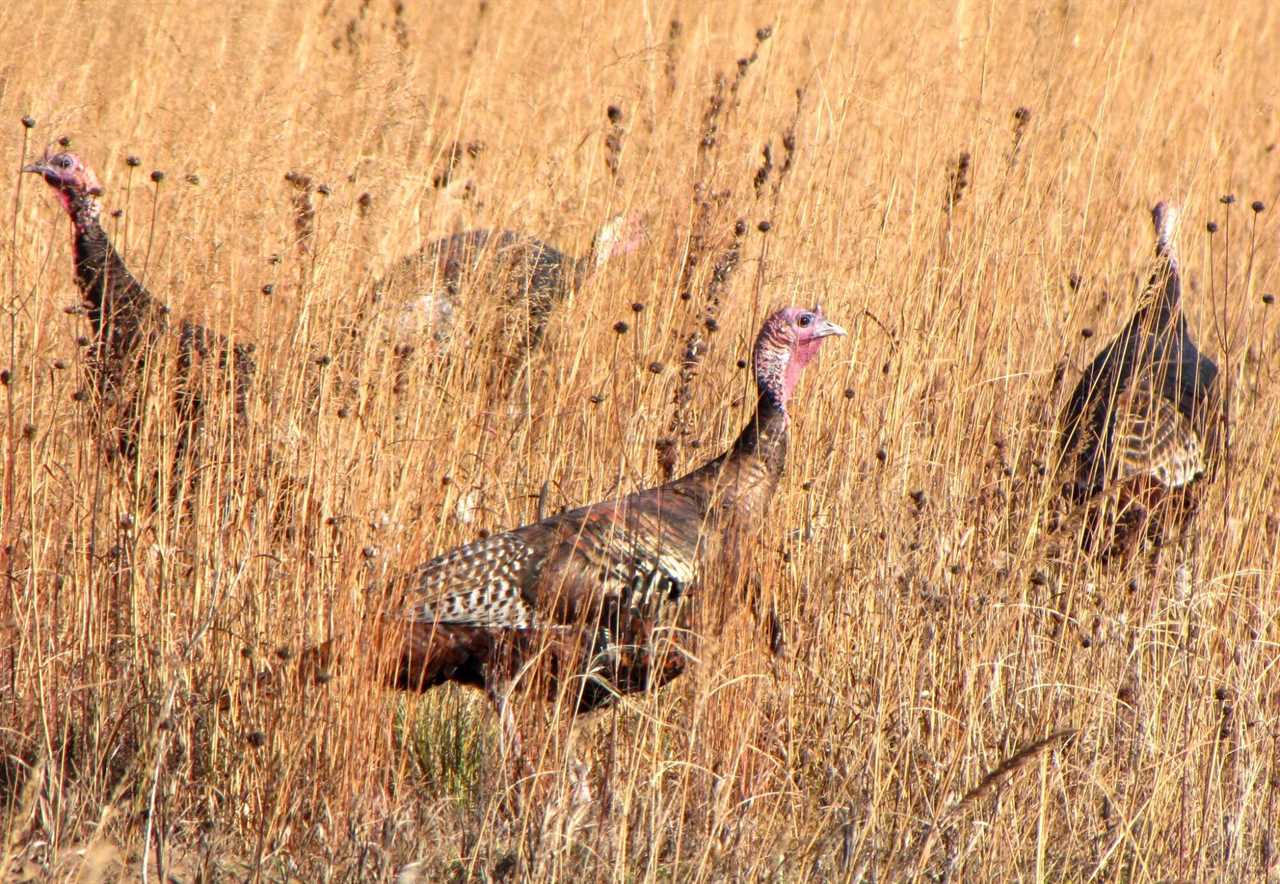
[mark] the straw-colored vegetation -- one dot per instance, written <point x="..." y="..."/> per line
<point x="972" y="248"/>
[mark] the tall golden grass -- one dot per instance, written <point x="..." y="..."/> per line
<point x="922" y="661"/>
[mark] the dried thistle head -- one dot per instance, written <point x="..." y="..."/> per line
<point x="613" y="141"/>
<point x="957" y="180"/>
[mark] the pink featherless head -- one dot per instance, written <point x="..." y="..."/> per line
<point x="67" y="174"/>
<point x="788" y="341"/>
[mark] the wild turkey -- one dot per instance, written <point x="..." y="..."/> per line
<point x="128" y="321"/>
<point x="1144" y="419"/>
<point x="426" y="289"/>
<point x="602" y="598"/>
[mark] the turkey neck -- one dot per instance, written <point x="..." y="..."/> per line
<point x="1159" y="325"/>
<point x="1166" y="287"/>
<point x="764" y="438"/>
<point x="583" y="267"/>
<point x="111" y="293"/>
<point x="745" y="476"/>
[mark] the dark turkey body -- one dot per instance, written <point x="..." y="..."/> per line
<point x="1154" y="350"/>
<point x="128" y="323"/>
<point x="527" y="273"/>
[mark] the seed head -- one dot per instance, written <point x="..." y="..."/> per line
<point x="1227" y="199"/>
<point x="1268" y="299"/>
<point x="764" y="33"/>
<point x="621" y="327"/>
<point x="1258" y="206"/>
<point x="257" y="739"/>
<point x="1086" y="333"/>
<point x="1212" y="227"/>
<point x="764" y="227"/>
<point x="157" y="176"/>
<point x="740" y="227"/>
<point x="28" y="122"/>
<point x="324" y="190"/>
<point x="849" y="393"/>
<point x="132" y="161"/>
<point x="64" y="141"/>
<point x="637" y="307"/>
<point x="268" y="289"/>
<point x="742" y="363"/>
<point x="656" y="367"/>
<point x="614" y="113"/>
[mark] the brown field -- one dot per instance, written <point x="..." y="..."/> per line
<point x="146" y="720"/>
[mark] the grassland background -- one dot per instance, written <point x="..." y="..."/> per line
<point x="920" y="654"/>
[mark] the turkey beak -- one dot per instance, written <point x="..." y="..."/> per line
<point x="828" y="329"/>
<point x="48" y="174"/>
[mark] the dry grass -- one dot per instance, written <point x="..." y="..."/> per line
<point x="920" y="656"/>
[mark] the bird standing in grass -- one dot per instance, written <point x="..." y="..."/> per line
<point x="426" y="289"/>
<point x="1143" y="423"/>
<point x="605" y="600"/>
<point x="128" y="321"/>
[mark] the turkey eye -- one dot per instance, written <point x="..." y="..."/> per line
<point x="806" y="320"/>
<point x="64" y="162"/>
